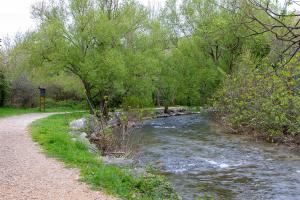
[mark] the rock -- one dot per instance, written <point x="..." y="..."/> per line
<point x="117" y="115"/>
<point x="163" y="115"/>
<point x="83" y="136"/>
<point x="94" y="137"/>
<point x="75" y="133"/>
<point x="93" y="124"/>
<point x="115" y="121"/>
<point x="121" y="162"/>
<point x="79" y="135"/>
<point x="139" y="172"/>
<point x="78" y="124"/>
<point x="92" y="148"/>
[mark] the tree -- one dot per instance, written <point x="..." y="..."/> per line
<point x="86" y="38"/>
<point x="207" y="40"/>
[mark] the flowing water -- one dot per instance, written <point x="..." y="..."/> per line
<point x="198" y="160"/>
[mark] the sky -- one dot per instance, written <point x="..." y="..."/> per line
<point x="15" y="15"/>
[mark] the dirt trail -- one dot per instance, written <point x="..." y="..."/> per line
<point x="26" y="173"/>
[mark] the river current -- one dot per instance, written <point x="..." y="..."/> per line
<point x="198" y="159"/>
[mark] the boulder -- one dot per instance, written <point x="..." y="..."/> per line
<point x="139" y="172"/>
<point x="92" y="148"/>
<point x="79" y="124"/>
<point x="82" y="137"/>
<point x="121" y="162"/>
<point x="115" y="121"/>
<point x="93" y="124"/>
<point x="78" y="135"/>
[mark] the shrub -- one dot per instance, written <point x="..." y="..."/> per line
<point x="264" y="99"/>
<point x="23" y="92"/>
<point x="60" y="93"/>
<point x="65" y="104"/>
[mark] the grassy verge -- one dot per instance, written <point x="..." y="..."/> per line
<point x="52" y="134"/>
<point x="5" y="112"/>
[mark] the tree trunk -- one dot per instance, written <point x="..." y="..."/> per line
<point x="158" y="98"/>
<point x="88" y="94"/>
<point x="166" y="110"/>
<point x="104" y="107"/>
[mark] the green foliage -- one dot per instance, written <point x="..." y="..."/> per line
<point x="262" y="99"/>
<point x="178" y="57"/>
<point x="209" y="40"/>
<point x="65" y="104"/>
<point x="52" y="134"/>
<point x="92" y="40"/>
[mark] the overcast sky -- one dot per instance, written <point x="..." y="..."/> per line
<point x="15" y="15"/>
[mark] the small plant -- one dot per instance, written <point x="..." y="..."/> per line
<point x="111" y="139"/>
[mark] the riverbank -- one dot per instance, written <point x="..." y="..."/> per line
<point x="223" y="124"/>
<point x="53" y="135"/>
<point x="11" y="111"/>
<point x="137" y="116"/>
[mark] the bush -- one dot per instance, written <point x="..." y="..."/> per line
<point x="23" y="92"/>
<point x="264" y="99"/>
<point x="66" y="104"/>
<point x="60" y="93"/>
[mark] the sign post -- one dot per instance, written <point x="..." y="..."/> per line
<point x="42" y="99"/>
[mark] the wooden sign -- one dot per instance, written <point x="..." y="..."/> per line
<point x="42" y="99"/>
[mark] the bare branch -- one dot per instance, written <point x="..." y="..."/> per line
<point x="284" y="26"/>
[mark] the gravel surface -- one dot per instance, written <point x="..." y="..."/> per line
<point x="26" y="173"/>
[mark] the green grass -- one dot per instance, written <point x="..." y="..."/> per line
<point x="5" y="112"/>
<point x="8" y="111"/>
<point x="52" y="134"/>
<point x="51" y="106"/>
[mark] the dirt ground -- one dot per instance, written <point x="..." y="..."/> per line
<point x="26" y="173"/>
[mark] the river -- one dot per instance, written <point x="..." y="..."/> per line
<point x="198" y="159"/>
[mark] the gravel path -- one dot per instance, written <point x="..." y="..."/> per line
<point x="26" y="173"/>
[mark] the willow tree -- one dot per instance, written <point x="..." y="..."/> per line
<point x="86" y="38"/>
